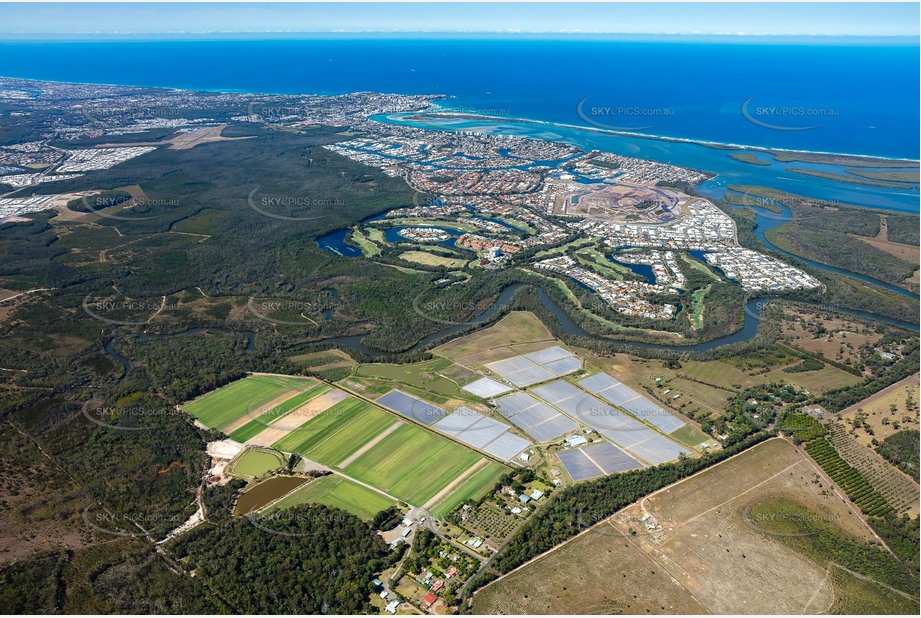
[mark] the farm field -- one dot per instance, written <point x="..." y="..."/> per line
<point x="704" y="540"/>
<point x="900" y="491"/>
<point x="333" y="490"/>
<point x="336" y="433"/>
<point x="412" y="464"/>
<point x="854" y="484"/>
<point x="258" y="424"/>
<point x="472" y="488"/>
<point x="221" y="408"/>
<point x="378" y="448"/>
<point x="292" y="422"/>
<point x="426" y="375"/>
<point x="254" y="463"/>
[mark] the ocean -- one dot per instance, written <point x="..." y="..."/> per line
<point x="852" y="97"/>
<point x="857" y="98"/>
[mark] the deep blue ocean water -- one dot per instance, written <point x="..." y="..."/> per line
<point x="861" y="98"/>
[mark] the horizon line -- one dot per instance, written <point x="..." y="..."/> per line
<point x="450" y="32"/>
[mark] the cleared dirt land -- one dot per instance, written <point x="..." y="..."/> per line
<point x="705" y="555"/>
<point x="507" y="337"/>
<point x="877" y="407"/>
<point x="596" y="573"/>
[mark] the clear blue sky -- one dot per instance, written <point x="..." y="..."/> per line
<point x="867" y="19"/>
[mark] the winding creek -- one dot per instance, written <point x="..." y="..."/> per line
<point x="355" y="343"/>
<point x="776" y="174"/>
<point x="767" y="220"/>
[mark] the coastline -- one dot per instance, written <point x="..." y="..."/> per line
<point x="437" y="110"/>
<point x="661" y="138"/>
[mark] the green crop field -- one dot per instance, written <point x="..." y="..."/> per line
<point x="335" y="434"/>
<point x="255" y="463"/>
<point x="471" y="489"/>
<point x="338" y="492"/>
<point x="343" y="444"/>
<point x="409" y="463"/>
<point x="412" y="464"/>
<point x="689" y="436"/>
<point x="255" y="426"/>
<point x="225" y="405"/>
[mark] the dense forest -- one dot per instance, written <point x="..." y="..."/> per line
<point x="310" y="559"/>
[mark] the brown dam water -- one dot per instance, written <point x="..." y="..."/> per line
<point x="265" y="492"/>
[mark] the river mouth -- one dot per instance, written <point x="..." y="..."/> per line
<point x="771" y="172"/>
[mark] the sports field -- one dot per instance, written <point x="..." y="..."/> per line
<point x="338" y="492"/>
<point x="254" y="463"/>
<point x="229" y="403"/>
<point x="335" y="434"/>
<point x="430" y="259"/>
<point x="255" y="426"/>
<point x="412" y="464"/>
